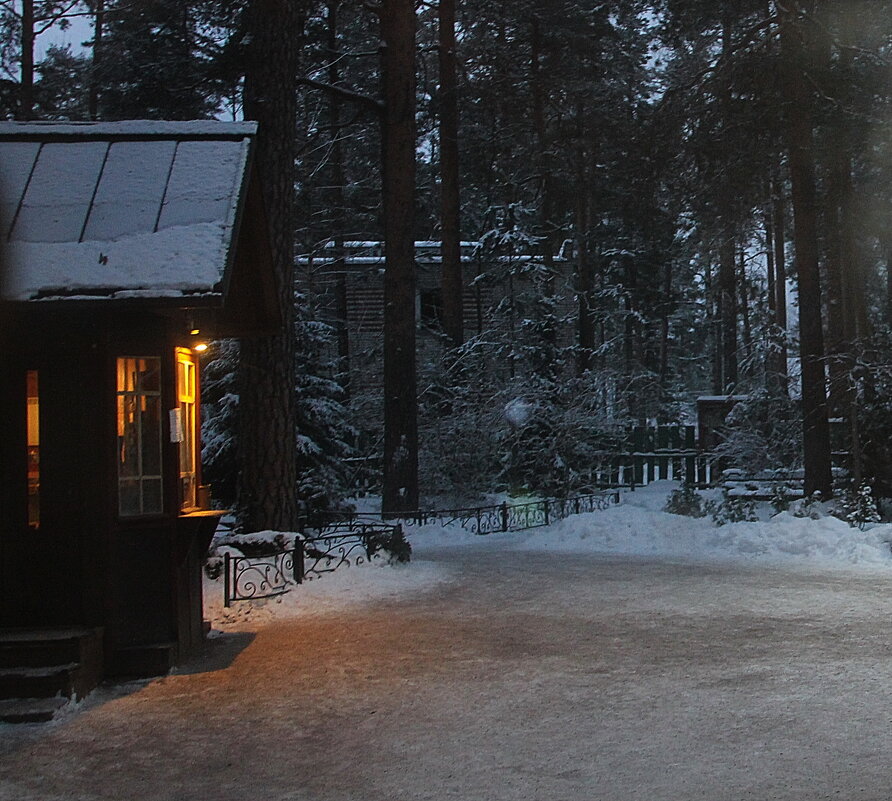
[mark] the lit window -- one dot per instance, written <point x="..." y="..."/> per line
<point x="186" y="396"/>
<point x="139" y="436"/>
<point x="33" y="424"/>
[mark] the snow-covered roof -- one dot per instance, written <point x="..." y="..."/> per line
<point x="120" y="210"/>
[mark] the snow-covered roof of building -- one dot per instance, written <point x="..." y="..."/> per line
<point x="120" y="210"/>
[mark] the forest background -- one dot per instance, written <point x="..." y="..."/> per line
<point x="714" y="176"/>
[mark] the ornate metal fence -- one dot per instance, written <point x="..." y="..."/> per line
<point x="513" y="517"/>
<point x="356" y="540"/>
<point x="270" y="573"/>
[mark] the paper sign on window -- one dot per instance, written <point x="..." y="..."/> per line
<point x="177" y="433"/>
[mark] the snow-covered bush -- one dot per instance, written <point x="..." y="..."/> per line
<point x="525" y="433"/>
<point x="685" y="501"/>
<point x="858" y="507"/>
<point x="732" y="509"/>
<point x="780" y="498"/>
<point x="394" y="544"/>
<point x="809" y="507"/>
<point x="762" y="432"/>
<point x="219" y="423"/>
<point x="323" y="433"/>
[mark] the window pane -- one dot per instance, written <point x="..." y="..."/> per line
<point x="149" y="377"/>
<point x="139" y="436"/>
<point x="151" y="435"/>
<point x="128" y="437"/>
<point x="151" y="496"/>
<point x="188" y="454"/>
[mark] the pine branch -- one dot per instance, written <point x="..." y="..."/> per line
<point x="346" y="94"/>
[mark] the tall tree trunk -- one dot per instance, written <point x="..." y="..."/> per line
<point x="727" y="271"/>
<point x="93" y="94"/>
<point x="853" y="273"/>
<point x="796" y="44"/>
<point x="768" y="228"/>
<point x="837" y="341"/>
<point x="630" y="326"/>
<point x="267" y="445"/>
<point x="585" y="282"/>
<point x="339" y="221"/>
<point x="664" y="324"/>
<point x="887" y="260"/>
<point x="547" y="227"/>
<point x="774" y="382"/>
<point x="846" y="305"/>
<point x="780" y="280"/>
<point x="400" y="492"/>
<point x="452" y="283"/>
<point x="713" y="322"/>
<point x="745" y="305"/>
<point x="26" y="87"/>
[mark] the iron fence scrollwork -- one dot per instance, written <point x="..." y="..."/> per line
<point x="507" y="517"/>
<point x="277" y="571"/>
<point x="356" y="540"/>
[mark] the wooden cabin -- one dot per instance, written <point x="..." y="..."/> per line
<point x="349" y="278"/>
<point x="126" y="247"/>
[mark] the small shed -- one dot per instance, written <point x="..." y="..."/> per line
<point x="125" y="247"/>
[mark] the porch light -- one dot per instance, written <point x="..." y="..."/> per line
<point x="200" y="347"/>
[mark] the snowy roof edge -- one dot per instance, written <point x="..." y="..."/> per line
<point x="129" y="128"/>
<point x="203" y="280"/>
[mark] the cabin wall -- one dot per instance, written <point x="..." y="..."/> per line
<point x="138" y="578"/>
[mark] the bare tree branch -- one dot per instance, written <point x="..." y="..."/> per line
<point x="347" y="94"/>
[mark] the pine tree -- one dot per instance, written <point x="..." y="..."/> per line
<point x="151" y="67"/>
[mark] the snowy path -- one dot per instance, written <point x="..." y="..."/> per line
<point x="529" y="676"/>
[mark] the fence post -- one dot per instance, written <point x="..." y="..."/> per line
<point x="504" y="516"/>
<point x="545" y="504"/>
<point x="226" y="598"/>
<point x="298" y="559"/>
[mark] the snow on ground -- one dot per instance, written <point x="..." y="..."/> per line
<point x="636" y="527"/>
<point x="639" y="527"/>
<point x="339" y="591"/>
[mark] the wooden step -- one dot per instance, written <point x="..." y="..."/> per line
<point x="44" y="662"/>
<point x="143" y="661"/>
<point x="41" y="647"/>
<point x="30" y="710"/>
<point x="39" y="682"/>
